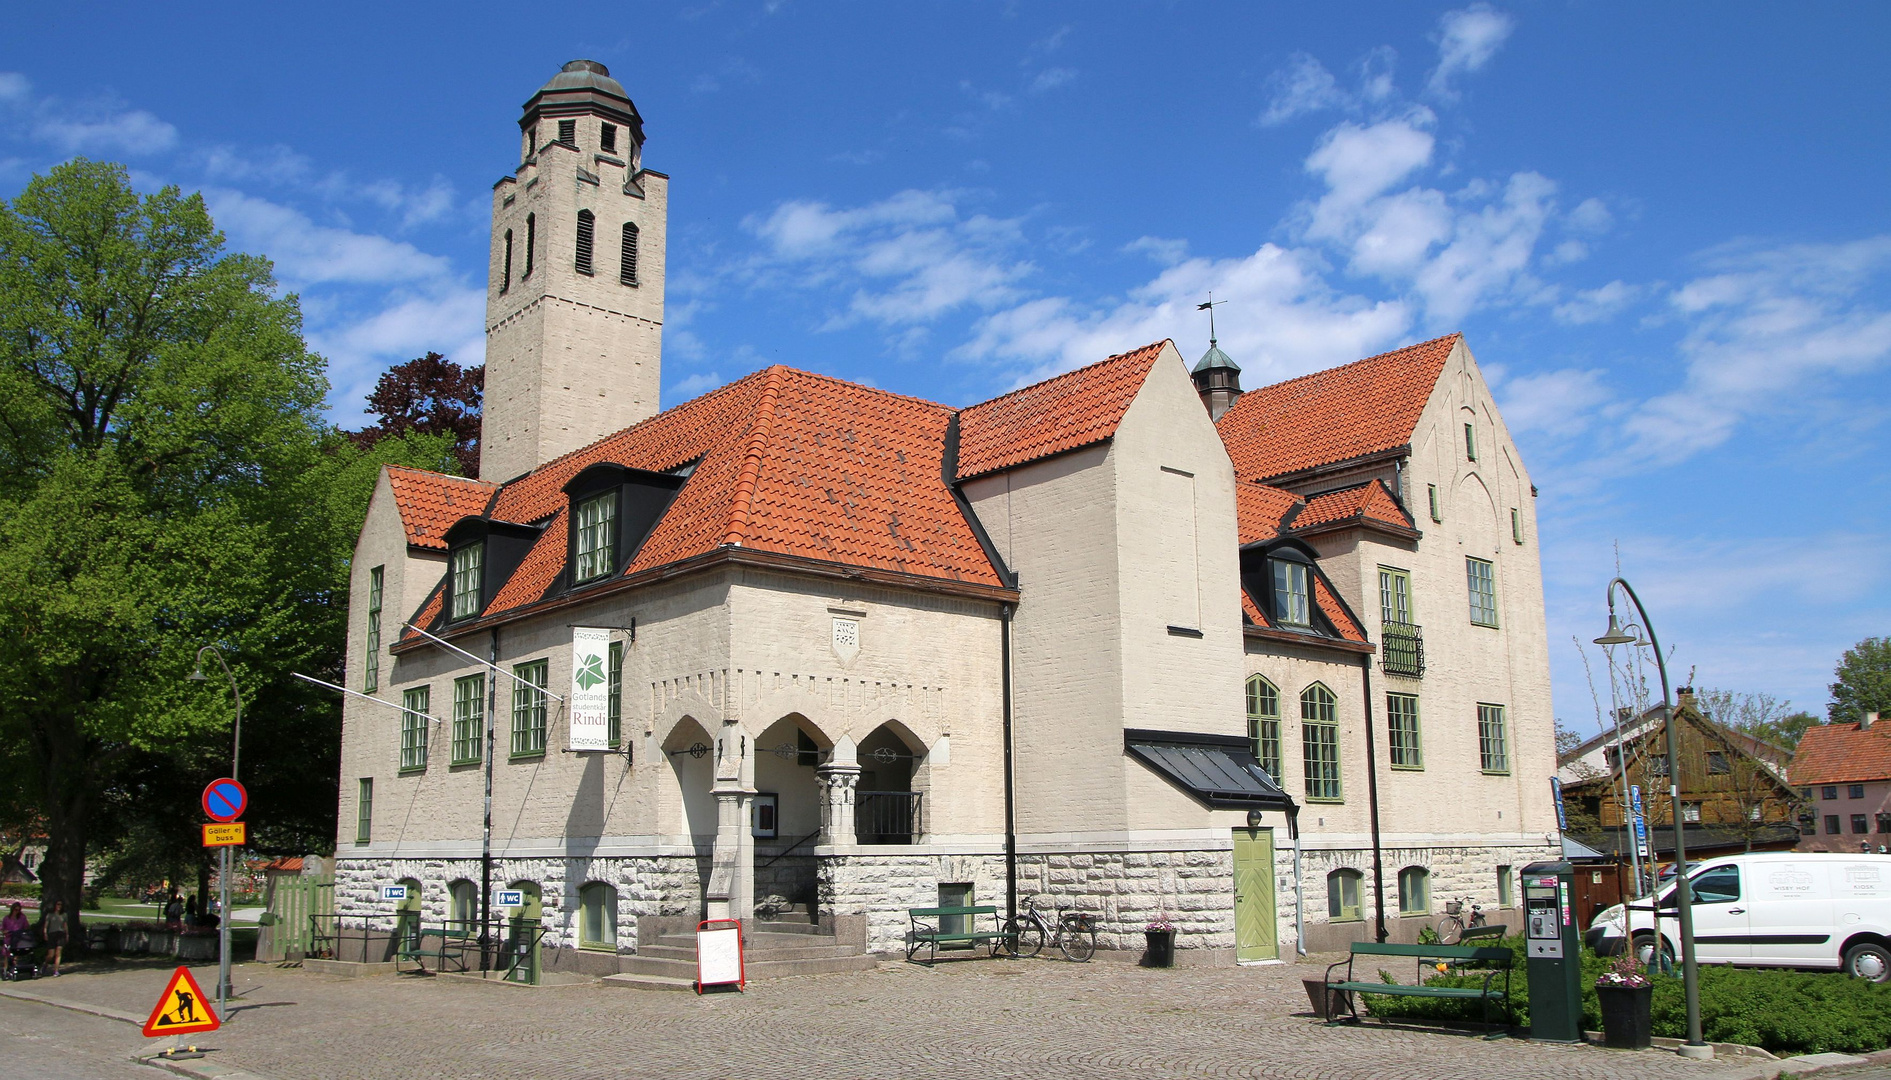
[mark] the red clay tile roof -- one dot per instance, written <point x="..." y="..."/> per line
<point x="1334" y="415"/>
<point x="1842" y="754"/>
<point x="787" y="462"/>
<point x="430" y="502"/>
<point x="1072" y="410"/>
<point x="1371" y="501"/>
<point x="1328" y="603"/>
<point x="1261" y="512"/>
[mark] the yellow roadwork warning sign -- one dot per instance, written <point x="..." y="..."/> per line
<point x="228" y="834"/>
<point x="183" y="1010"/>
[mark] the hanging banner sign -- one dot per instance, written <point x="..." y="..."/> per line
<point x="589" y="705"/>
<point x="1556" y="791"/>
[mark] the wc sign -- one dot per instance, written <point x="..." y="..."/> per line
<point x="394" y="893"/>
<point x="509" y="898"/>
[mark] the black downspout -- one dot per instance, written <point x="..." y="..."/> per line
<point x="1372" y="797"/>
<point x="1011" y="813"/>
<point x="485" y="850"/>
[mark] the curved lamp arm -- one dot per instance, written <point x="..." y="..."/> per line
<point x="216" y="654"/>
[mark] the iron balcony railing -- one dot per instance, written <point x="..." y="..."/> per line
<point x="886" y="817"/>
<point x="1402" y="649"/>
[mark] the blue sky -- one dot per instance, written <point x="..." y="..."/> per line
<point x="1665" y="232"/>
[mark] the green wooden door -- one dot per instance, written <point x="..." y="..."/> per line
<point x="1256" y="934"/>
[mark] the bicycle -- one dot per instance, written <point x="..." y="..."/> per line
<point x="1452" y="926"/>
<point x="1075" y="936"/>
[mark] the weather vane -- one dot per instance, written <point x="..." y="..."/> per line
<point x="1210" y="307"/>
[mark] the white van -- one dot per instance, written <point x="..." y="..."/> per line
<point x="1772" y="909"/>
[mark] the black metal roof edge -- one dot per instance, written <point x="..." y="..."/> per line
<point x="1213" y="799"/>
<point x="1186" y="738"/>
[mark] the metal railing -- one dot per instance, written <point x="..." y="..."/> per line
<point x="886" y="817"/>
<point x="1402" y="649"/>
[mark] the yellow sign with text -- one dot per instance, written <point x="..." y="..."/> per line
<point x="228" y="834"/>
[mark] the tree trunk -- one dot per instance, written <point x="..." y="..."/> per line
<point x="68" y="808"/>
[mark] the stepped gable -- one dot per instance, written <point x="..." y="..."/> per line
<point x="430" y="502"/>
<point x="785" y="462"/>
<point x="1365" y="407"/>
<point x="1072" y="410"/>
<point x="1368" y="502"/>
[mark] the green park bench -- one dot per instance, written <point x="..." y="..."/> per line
<point x="928" y="936"/>
<point x="442" y="944"/>
<point x="1458" y="957"/>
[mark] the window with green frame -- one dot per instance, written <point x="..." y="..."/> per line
<point x="414" y="705"/>
<point x="528" y="708"/>
<point x="1264" y="724"/>
<point x="1395" y="595"/>
<point x="1493" y="755"/>
<point x="614" y="730"/>
<point x="1470" y="442"/>
<point x="1516" y="525"/>
<point x="371" y="662"/>
<point x="597" y="916"/>
<point x="469" y="719"/>
<point x="1414" y="891"/>
<point x="468" y="562"/>
<point x="364" y="810"/>
<point x="462" y="906"/>
<point x="595" y="542"/>
<point x="1431" y="493"/>
<point x="1292" y="583"/>
<point x="1401" y="721"/>
<point x="1481" y="580"/>
<point x="1342" y="894"/>
<point x="1319" y="742"/>
<point x="1506" y="888"/>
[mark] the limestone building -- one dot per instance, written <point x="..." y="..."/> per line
<point x="1126" y="641"/>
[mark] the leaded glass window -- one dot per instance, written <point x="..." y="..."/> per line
<point x="1290" y="593"/>
<point x="468" y="563"/>
<point x="1264" y="724"/>
<point x="597" y="533"/>
<point x="1319" y="738"/>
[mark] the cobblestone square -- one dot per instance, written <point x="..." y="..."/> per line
<point x="980" y="1019"/>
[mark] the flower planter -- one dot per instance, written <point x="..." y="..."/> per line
<point x="1627" y="1017"/>
<point x="1160" y="946"/>
<point x="1328" y="1004"/>
<point x="196" y="947"/>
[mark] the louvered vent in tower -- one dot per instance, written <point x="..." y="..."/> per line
<point x="627" y="270"/>
<point x="586" y="228"/>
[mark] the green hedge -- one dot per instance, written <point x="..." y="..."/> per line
<point x="20" y="890"/>
<point x="1783" y="1011"/>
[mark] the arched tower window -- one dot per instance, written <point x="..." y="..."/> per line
<point x="505" y="282"/>
<point x="587" y="228"/>
<point x="627" y="268"/>
<point x="531" y="243"/>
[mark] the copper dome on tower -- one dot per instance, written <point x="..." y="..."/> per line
<point x="581" y="87"/>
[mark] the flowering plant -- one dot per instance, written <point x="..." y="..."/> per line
<point x="1161" y="925"/>
<point x="1626" y="973"/>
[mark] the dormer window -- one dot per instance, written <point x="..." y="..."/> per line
<point x="594" y="552"/>
<point x="468" y="578"/>
<point x="1290" y="593"/>
<point x="607" y="138"/>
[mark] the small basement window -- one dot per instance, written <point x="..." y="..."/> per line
<point x="1414" y="891"/>
<point x="1342" y="895"/>
<point x="597" y="916"/>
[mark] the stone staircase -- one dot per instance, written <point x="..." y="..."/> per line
<point x="788" y="943"/>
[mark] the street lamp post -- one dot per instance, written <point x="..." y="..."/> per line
<point x="1683" y="892"/>
<point x="223" y="889"/>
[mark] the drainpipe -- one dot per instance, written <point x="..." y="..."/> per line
<point x="485" y="851"/>
<point x="1372" y="797"/>
<point x="1299" y="898"/>
<point x="1011" y="813"/>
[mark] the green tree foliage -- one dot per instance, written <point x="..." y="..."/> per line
<point x="1863" y="682"/>
<point x="166" y="481"/>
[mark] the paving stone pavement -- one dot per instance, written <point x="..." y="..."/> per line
<point x="982" y="1019"/>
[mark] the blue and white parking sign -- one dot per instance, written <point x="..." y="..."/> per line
<point x="510" y="898"/>
<point x="393" y="892"/>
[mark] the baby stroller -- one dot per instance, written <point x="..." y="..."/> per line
<point x="21" y="953"/>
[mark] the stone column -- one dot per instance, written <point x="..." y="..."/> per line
<point x="838" y="781"/>
<point x="731" y="893"/>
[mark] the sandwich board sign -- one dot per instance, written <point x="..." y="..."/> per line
<point x="182" y="1010"/>
<point x="719" y="954"/>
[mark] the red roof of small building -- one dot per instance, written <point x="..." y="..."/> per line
<point x="1371" y="501"/>
<point x="1261" y="512"/>
<point x="1339" y="414"/>
<point x="429" y="502"/>
<point x="1072" y="410"/>
<point x="1842" y="754"/>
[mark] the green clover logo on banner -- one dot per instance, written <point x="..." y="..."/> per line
<point x="590" y="672"/>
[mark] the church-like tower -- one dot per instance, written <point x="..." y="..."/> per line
<point x="574" y="296"/>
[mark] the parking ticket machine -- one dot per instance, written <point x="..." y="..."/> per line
<point x="1555" y="951"/>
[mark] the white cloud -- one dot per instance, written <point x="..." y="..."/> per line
<point x="1051" y="78"/>
<point x="699" y="383"/>
<point x="1164" y="251"/>
<point x="449" y="320"/>
<point x="909" y="259"/>
<point x="1590" y="216"/>
<point x="1595" y="305"/>
<point x="1770" y="326"/>
<point x="1489" y="251"/>
<point x="14" y="86"/>
<point x="1359" y="163"/>
<point x="306" y="253"/>
<point x="1303" y="86"/>
<point x="1467" y="39"/>
<point x="114" y="134"/>
<point x="1558" y="403"/>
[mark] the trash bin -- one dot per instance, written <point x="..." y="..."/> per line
<point x="1161" y="948"/>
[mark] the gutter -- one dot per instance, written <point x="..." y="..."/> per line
<point x="1372" y="799"/>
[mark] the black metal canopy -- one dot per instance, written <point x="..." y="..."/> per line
<point x="1219" y="770"/>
